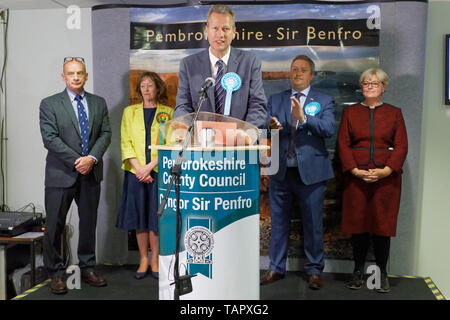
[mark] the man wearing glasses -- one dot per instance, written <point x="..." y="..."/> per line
<point x="76" y="132"/>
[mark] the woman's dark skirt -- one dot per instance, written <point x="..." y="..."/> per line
<point x="139" y="204"/>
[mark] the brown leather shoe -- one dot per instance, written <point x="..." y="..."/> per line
<point x="315" y="282"/>
<point x="271" y="276"/>
<point x="58" y="285"/>
<point x="94" y="279"/>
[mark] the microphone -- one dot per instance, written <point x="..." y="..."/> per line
<point x="209" y="82"/>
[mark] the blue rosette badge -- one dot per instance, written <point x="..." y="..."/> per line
<point x="312" y="108"/>
<point x="230" y="82"/>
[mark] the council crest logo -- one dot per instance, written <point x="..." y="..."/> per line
<point x="199" y="244"/>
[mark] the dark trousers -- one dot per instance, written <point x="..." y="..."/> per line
<point x="310" y="198"/>
<point x="86" y="193"/>
<point x="381" y="247"/>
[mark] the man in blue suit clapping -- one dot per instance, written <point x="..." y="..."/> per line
<point x="305" y="118"/>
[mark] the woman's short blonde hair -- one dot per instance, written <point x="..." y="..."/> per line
<point x="380" y="74"/>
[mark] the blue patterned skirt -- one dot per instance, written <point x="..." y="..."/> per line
<point x="139" y="204"/>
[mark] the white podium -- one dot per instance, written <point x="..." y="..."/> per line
<point x="219" y="243"/>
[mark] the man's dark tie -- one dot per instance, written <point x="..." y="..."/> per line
<point x="84" y="124"/>
<point x="219" y="92"/>
<point x="291" y="150"/>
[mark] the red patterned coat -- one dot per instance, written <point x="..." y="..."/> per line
<point x="368" y="139"/>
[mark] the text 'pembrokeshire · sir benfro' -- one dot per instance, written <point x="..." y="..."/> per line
<point x="313" y="32"/>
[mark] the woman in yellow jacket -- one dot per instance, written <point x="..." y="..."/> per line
<point x="140" y="127"/>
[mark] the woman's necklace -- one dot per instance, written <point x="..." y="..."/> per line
<point x="150" y="105"/>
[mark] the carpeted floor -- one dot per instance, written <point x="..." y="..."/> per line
<point x="295" y="286"/>
<point x="123" y="286"/>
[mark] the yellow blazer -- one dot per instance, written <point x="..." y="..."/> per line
<point x="132" y="133"/>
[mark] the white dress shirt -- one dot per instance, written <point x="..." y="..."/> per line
<point x="213" y="59"/>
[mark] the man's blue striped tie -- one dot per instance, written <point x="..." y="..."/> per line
<point x="84" y="125"/>
<point x="219" y="92"/>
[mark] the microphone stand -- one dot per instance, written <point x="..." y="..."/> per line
<point x="175" y="173"/>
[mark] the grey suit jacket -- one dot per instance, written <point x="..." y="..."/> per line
<point x="249" y="103"/>
<point x="61" y="136"/>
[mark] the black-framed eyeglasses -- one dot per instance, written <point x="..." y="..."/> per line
<point x="68" y="59"/>
<point x="374" y="84"/>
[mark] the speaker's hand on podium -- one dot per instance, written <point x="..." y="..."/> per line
<point x="242" y="138"/>
<point x="275" y="124"/>
<point x="178" y="132"/>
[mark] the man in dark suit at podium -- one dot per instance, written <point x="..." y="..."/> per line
<point x="76" y="132"/>
<point x="248" y="103"/>
<point x="305" y="118"/>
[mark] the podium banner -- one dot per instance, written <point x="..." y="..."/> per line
<point x="219" y="243"/>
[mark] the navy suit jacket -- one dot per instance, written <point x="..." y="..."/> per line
<point x="312" y="156"/>
<point x="248" y="103"/>
<point x="61" y="136"/>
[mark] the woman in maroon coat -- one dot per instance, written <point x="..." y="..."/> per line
<point x="372" y="146"/>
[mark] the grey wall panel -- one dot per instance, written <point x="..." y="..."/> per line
<point x="111" y="38"/>
<point x="402" y="56"/>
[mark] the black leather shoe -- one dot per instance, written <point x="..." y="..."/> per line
<point x="58" y="285"/>
<point x="271" y="276"/>
<point x="315" y="282"/>
<point x="94" y="279"/>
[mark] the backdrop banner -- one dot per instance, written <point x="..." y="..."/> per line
<point x="343" y="40"/>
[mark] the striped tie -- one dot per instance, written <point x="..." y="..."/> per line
<point x="219" y="92"/>
<point x="84" y="125"/>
